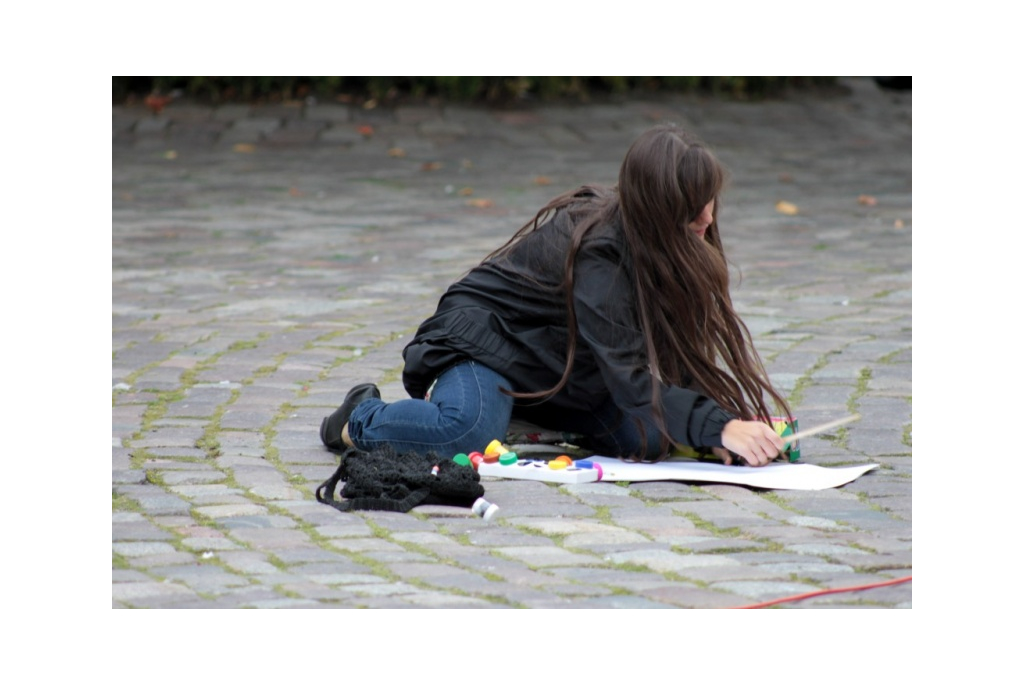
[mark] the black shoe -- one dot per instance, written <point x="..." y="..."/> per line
<point x="330" y="428"/>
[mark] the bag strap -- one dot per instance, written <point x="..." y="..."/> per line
<point x="329" y="486"/>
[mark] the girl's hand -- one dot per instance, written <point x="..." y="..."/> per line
<point x="722" y="454"/>
<point x="756" y="442"/>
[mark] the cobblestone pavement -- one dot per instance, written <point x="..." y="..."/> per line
<point x="266" y="259"/>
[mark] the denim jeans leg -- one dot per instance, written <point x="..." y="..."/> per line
<point x="466" y="410"/>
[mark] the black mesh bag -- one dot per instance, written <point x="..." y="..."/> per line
<point x="386" y="481"/>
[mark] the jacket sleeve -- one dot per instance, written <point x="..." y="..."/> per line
<point x="608" y="324"/>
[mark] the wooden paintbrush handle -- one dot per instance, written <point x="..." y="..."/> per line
<point x="820" y="429"/>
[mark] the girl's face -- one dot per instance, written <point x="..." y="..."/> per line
<point x="703" y="220"/>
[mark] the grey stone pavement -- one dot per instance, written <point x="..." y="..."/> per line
<point x="267" y="258"/>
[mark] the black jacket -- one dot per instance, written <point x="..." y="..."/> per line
<point x="509" y="314"/>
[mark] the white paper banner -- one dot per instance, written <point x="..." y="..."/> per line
<point x="771" y="477"/>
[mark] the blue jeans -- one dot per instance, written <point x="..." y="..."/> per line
<point x="467" y="410"/>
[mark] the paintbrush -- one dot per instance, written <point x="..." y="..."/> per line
<point x="820" y="429"/>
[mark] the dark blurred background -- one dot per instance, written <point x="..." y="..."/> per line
<point x="492" y="89"/>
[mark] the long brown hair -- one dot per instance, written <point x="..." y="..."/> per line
<point x="692" y="334"/>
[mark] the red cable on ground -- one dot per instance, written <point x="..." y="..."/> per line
<point x="795" y="598"/>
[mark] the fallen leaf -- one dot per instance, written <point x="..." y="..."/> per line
<point x="295" y="192"/>
<point x="396" y="152"/>
<point x="157" y="102"/>
<point x="465" y="191"/>
<point x="244" y="147"/>
<point x="786" y="178"/>
<point x="431" y="166"/>
<point x="171" y="154"/>
<point x="467" y="164"/>
<point x="482" y="203"/>
<point x="370" y="104"/>
<point x="867" y="200"/>
<point x="365" y="130"/>
<point x="783" y="207"/>
<point x="898" y="223"/>
<point x="542" y="181"/>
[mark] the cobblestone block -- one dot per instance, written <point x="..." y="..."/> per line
<point x="121" y="457"/>
<point x="171" y="453"/>
<point x="256" y="521"/>
<point x="873" y="441"/>
<point x="825" y="550"/>
<point x="218" y="511"/>
<point x="717" y="513"/>
<point x="162" y="559"/>
<point x="240" y="419"/>
<point x="145" y="592"/>
<point x="741" y="572"/>
<point x="282" y="603"/>
<point x="344" y="529"/>
<point x="606" y="541"/>
<point x="142" y="530"/>
<point x="445" y="601"/>
<point x="209" y="544"/>
<point x="897" y="560"/>
<point x="201" y="578"/>
<point x="663" y="560"/>
<point x="128" y="477"/>
<point x="709" y="544"/>
<point x="879" y="487"/>
<point x="310" y="554"/>
<point x="812" y="570"/>
<point x="248" y="562"/>
<point x="128" y="575"/>
<point x="401" y="556"/>
<point x="126" y="420"/>
<point x="271" y="538"/>
<point x="547" y="556"/>
<point x="799" y="362"/>
<point x="816" y="522"/>
<point x="153" y="500"/>
<point x="275" y="492"/>
<point x="664" y="491"/>
<point x="207" y="490"/>
<point x="785" y="383"/>
<point x="763" y="590"/>
<point x="195" y="407"/>
<point x="653" y="523"/>
<point x="613" y="602"/>
<point x="191" y="477"/>
<point x="692" y="597"/>
<point x="362" y="545"/>
<point x="140" y="549"/>
<point x="259" y="476"/>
